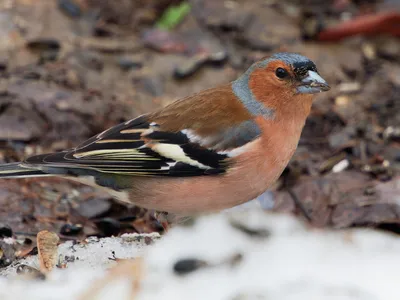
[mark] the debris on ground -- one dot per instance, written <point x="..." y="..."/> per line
<point x="302" y="263"/>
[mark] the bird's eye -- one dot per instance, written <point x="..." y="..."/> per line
<point x="281" y="73"/>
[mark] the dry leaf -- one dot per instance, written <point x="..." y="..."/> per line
<point x="47" y="247"/>
<point x="131" y="269"/>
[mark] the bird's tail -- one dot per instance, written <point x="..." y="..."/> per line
<point x="18" y="170"/>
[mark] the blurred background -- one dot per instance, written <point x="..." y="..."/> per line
<point x="71" y="68"/>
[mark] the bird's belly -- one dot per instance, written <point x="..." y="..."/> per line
<point x="190" y="197"/>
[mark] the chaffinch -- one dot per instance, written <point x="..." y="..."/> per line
<point x="206" y="152"/>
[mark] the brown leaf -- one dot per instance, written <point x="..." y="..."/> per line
<point x="343" y="199"/>
<point x="47" y="248"/>
<point x="131" y="269"/>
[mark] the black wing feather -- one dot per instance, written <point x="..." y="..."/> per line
<point x="123" y="150"/>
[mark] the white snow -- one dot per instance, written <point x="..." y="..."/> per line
<point x="292" y="262"/>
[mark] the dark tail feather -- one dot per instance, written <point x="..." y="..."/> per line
<point x="16" y="170"/>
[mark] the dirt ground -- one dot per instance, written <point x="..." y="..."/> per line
<point x="71" y="68"/>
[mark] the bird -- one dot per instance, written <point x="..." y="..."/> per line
<point x="206" y="152"/>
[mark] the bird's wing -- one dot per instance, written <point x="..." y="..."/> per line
<point x="151" y="145"/>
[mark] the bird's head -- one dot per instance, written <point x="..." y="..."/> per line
<point x="289" y="71"/>
<point x="278" y="81"/>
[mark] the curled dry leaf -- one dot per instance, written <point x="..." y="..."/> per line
<point x="47" y="247"/>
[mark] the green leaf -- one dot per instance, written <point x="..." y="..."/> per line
<point x="173" y="15"/>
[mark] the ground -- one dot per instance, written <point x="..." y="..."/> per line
<point x="69" y="69"/>
<point x="239" y="255"/>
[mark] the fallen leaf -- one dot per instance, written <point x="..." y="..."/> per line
<point x="47" y="247"/>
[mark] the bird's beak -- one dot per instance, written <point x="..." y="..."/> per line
<point x="312" y="84"/>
